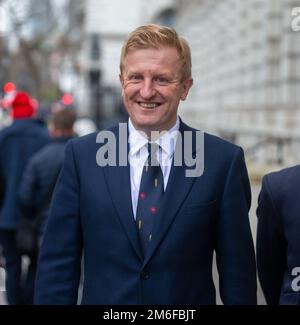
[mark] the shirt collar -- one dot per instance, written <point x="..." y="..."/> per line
<point x="167" y="141"/>
<point x="136" y="139"/>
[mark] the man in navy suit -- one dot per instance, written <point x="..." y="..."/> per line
<point x="278" y="237"/>
<point x="99" y="210"/>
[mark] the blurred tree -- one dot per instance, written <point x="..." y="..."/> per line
<point x="38" y="39"/>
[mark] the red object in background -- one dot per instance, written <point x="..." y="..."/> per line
<point x="67" y="99"/>
<point x="22" y="106"/>
<point x="34" y="103"/>
<point x="5" y="103"/>
<point x="9" y="87"/>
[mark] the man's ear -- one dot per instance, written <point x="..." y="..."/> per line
<point x="187" y="84"/>
<point x="122" y="83"/>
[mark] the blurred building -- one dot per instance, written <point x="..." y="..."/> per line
<point x="67" y="39"/>
<point x="246" y="63"/>
<point x="41" y="18"/>
<point x="107" y="23"/>
<point x="246" y="67"/>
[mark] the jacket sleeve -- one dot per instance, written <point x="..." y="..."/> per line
<point x="59" y="263"/>
<point x="234" y="244"/>
<point x="270" y="245"/>
<point x="2" y="187"/>
<point x="27" y="192"/>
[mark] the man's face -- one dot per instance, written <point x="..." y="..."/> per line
<point x="152" y="87"/>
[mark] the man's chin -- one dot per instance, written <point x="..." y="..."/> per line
<point x="148" y="127"/>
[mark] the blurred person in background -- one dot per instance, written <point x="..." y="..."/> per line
<point x="2" y="190"/>
<point x="278" y="237"/>
<point x="37" y="185"/>
<point x="2" y="187"/>
<point x="18" y="142"/>
<point x="42" y="170"/>
<point x="148" y="231"/>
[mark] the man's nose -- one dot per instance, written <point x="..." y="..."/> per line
<point x="148" y="90"/>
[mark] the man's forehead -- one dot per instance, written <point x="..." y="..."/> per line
<point x="140" y="59"/>
<point x="153" y="72"/>
<point x="152" y="52"/>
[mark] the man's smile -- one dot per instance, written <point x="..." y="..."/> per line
<point x="149" y="105"/>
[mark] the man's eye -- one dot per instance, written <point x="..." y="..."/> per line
<point x="161" y="80"/>
<point x="135" y="78"/>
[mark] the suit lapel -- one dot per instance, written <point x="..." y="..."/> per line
<point x="118" y="182"/>
<point x="177" y="190"/>
<point x="179" y="186"/>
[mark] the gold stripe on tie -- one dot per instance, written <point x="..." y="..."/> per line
<point x="140" y="224"/>
<point x="150" y="237"/>
<point x="155" y="182"/>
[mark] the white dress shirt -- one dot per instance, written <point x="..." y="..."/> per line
<point x="138" y="154"/>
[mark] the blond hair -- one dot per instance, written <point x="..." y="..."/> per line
<point x="155" y="36"/>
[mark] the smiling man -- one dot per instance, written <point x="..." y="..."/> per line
<point x="153" y="84"/>
<point x="147" y="231"/>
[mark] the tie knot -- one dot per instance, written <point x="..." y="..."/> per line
<point x="152" y="154"/>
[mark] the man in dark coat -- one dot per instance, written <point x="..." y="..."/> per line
<point x="42" y="170"/>
<point x="278" y="237"/>
<point x="18" y="142"/>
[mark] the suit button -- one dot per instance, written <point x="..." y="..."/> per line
<point x="144" y="275"/>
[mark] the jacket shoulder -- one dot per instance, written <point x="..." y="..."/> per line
<point x="83" y="142"/>
<point x="6" y="131"/>
<point x="214" y="142"/>
<point x="49" y="153"/>
<point x="220" y="143"/>
<point x="90" y="140"/>
<point x="29" y="126"/>
<point x="283" y="178"/>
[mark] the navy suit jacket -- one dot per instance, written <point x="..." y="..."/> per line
<point x="278" y="236"/>
<point x="91" y="213"/>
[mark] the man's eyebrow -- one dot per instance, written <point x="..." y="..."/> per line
<point x="164" y="74"/>
<point x="167" y="75"/>
<point x="132" y="72"/>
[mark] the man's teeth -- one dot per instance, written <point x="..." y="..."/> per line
<point x="149" y="105"/>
